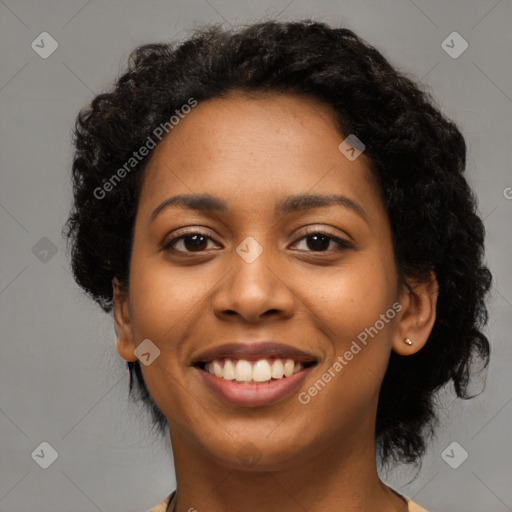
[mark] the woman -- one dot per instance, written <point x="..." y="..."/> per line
<point x="280" y="223"/>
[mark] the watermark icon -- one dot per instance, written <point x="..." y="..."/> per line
<point x="147" y="352"/>
<point x="44" y="250"/>
<point x="137" y="156"/>
<point x="249" y="250"/>
<point x="304" y="397"/>
<point x="454" y="455"/>
<point x="454" y="45"/>
<point x="351" y="147"/>
<point x="507" y="192"/>
<point x="44" y="45"/>
<point x="45" y="455"/>
<point x="249" y="455"/>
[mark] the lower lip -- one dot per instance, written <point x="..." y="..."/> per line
<point x="253" y="395"/>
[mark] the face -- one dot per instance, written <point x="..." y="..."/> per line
<point x="312" y="276"/>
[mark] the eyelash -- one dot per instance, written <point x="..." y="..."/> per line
<point x="342" y="243"/>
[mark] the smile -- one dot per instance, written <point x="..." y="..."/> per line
<point x="253" y="383"/>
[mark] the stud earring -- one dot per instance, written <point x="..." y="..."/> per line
<point x="407" y="341"/>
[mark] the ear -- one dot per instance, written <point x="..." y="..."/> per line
<point x="418" y="298"/>
<point x="122" y="320"/>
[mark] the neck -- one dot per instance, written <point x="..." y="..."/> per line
<point x="341" y="476"/>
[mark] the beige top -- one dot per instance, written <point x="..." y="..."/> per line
<point x="413" y="507"/>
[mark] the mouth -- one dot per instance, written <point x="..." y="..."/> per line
<point x="253" y="375"/>
<point x="260" y="371"/>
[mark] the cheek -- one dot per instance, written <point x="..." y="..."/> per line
<point x="347" y="312"/>
<point x="164" y="305"/>
<point x="161" y="297"/>
<point x="351" y="299"/>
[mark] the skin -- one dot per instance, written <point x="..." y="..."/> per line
<point x="253" y="151"/>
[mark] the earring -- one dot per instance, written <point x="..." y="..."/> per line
<point x="407" y="341"/>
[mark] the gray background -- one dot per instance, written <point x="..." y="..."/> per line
<point x="61" y="380"/>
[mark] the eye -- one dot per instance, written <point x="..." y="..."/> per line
<point x="193" y="241"/>
<point x="319" y="241"/>
<point x="196" y="241"/>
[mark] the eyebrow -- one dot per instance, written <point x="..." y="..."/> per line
<point x="290" y="204"/>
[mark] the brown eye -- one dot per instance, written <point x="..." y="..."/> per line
<point x="318" y="241"/>
<point x="188" y="243"/>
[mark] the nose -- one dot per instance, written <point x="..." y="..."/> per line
<point x="255" y="291"/>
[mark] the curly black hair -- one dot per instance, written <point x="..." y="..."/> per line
<point x="417" y="157"/>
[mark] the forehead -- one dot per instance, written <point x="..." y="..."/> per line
<point x="252" y="148"/>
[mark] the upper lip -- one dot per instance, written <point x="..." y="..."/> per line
<point x="253" y="352"/>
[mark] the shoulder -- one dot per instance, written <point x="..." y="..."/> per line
<point x="414" y="507"/>
<point x="411" y="506"/>
<point x="162" y="507"/>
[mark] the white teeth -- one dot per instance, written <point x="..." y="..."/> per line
<point x="258" y="371"/>
<point x="277" y="369"/>
<point x="243" y="371"/>
<point x="288" y="367"/>
<point x="217" y="369"/>
<point x="228" y="372"/>
<point x="261" y="371"/>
